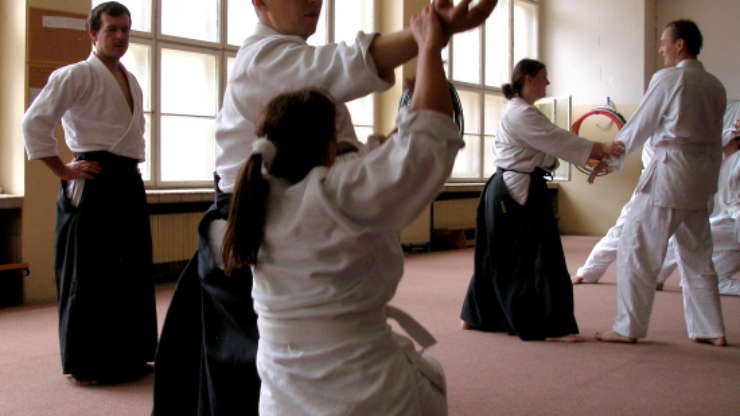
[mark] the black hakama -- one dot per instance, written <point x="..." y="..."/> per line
<point x="205" y="363"/>
<point x="520" y="283"/>
<point x="107" y="312"/>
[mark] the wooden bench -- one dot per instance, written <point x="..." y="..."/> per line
<point x="17" y="266"/>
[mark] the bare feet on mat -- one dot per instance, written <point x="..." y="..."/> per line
<point x="577" y="280"/>
<point x="465" y="325"/>
<point x="611" y="336"/>
<point x="717" y="342"/>
<point x="659" y="286"/>
<point x="81" y="381"/>
<point x="566" y="338"/>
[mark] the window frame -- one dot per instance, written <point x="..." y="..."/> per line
<point x="223" y="50"/>
<point x="481" y="88"/>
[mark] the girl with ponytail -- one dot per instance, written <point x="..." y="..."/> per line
<point x="322" y="242"/>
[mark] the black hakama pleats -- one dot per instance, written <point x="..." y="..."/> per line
<point x="205" y="363"/>
<point x="520" y="283"/>
<point x="107" y="313"/>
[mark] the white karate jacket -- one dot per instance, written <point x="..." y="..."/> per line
<point x="94" y="112"/>
<point x="527" y="140"/>
<point x="270" y="63"/>
<point x="329" y="264"/>
<point x="682" y="111"/>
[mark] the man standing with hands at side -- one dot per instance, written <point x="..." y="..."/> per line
<point x="682" y="111"/>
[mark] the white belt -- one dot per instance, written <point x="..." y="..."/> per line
<point x="313" y="331"/>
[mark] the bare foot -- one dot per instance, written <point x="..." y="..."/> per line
<point x="577" y="280"/>
<point x="81" y="381"/>
<point x="465" y="325"/>
<point x="659" y="286"/>
<point x="566" y="338"/>
<point x="717" y="342"/>
<point x="611" y="336"/>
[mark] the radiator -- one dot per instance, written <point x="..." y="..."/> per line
<point x="174" y="236"/>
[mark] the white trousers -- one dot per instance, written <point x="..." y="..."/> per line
<point x="605" y="251"/>
<point x="726" y="259"/>
<point x="642" y="249"/>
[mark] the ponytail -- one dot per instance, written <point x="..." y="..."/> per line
<point x="246" y="226"/>
<point x="508" y="90"/>
<point x="294" y="132"/>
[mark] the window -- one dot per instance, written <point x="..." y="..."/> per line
<point x="479" y="62"/>
<point x="182" y="51"/>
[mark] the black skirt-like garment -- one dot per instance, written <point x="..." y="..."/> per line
<point x="103" y="264"/>
<point x="520" y="283"/>
<point x="205" y="363"/>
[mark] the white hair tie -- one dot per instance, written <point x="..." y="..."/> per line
<point x="266" y="149"/>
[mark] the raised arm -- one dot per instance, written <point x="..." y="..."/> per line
<point x="430" y="92"/>
<point x="392" y="50"/>
<point x="391" y="185"/>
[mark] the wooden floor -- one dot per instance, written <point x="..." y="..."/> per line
<point x="488" y="374"/>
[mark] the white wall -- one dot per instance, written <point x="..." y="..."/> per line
<point x="595" y="49"/>
<point x="719" y="21"/>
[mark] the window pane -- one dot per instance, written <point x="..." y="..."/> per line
<point x="497" y="45"/>
<point x="242" y="20"/>
<point x="362" y="132"/>
<point x="467" y="164"/>
<point x="138" y="61"/>
<point x="466" y="56"/>
<point x="229" y="65"/>
<point x="351" y="16"/>
<point x="146" y="166"/>
<point x="141" y="17"/>
<point x="193" y="19"/>
<point x="525" y="30"/>
<point x="361" y="110"/>
<point x="320" y="37"/>
<point x="189" y="83"/>
<point x="188" y="148"/>
<point x="494" y="107"/>
<point x="489" y="157"/>
<point x="471" y="110"/>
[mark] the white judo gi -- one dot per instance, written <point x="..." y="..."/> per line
<point x="329" y="264"/>
<point x="527" y="140"/>
<point x="270" y="63"/>
<point x="724" y="218"/>
<point x="605" y="251"/>
<point x="682" y="114"/>
<point x="94" y="112"/>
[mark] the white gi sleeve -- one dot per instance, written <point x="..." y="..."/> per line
<point x="64" y="88"/>
<point x="537" y="132"/>
<point x="644" y="122"/>
<point x="346" y="71"/>
<point x="390" y="185"/>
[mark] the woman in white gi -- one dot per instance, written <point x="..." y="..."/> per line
<point x="521" y="284"/>
<point x="213" y="314"/>
<point x="323" y="242"/>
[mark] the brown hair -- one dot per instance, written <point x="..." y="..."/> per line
<point x="523" y="68"/>
<point x="111" y="8"/>
<point x="301" y="125"/>
<point x="688" y="31"/>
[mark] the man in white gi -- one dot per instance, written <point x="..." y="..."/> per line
<point x="275" y="59"/>
<point x="725" y="262"/>
<point x="107" y="325"/>
<point x="724" y="218"/>
<point x="682" y="114"/>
